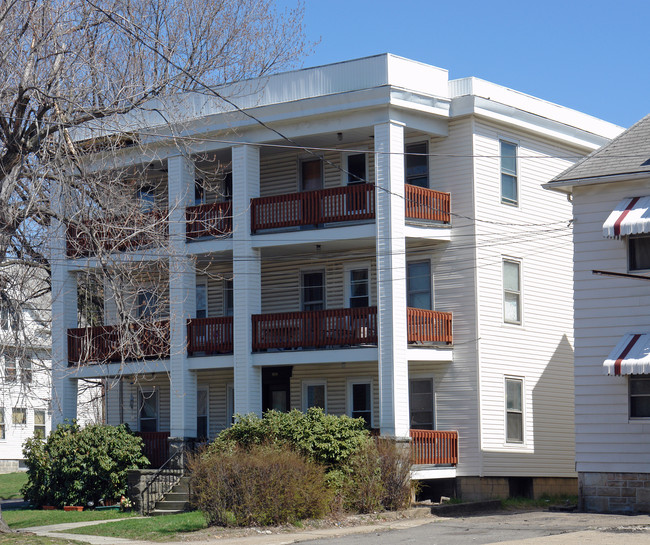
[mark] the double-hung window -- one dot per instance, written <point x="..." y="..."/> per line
<point x="418" y="285"/>
<point x="511" y="292"/>
<point x="146" y="198"/>
<point x="313" y="290"/>
<point x="509" y="186"/>
<point x="360" y="400"/>
<point x="514" y="410"/>
<point x="314" y="395"/>
<point x="11" y="371"/>
<point x="202" y="414"/>
<point x="638" y="253"/>
<point x="228" y="299"/>
<point x="201" y="300"/>
<point x="148" y="410"/>
<point x="359" y="288"/>
<point x="19" y="416"/>
<point x="39" y="423"/>
<point x="25" y="370"/>
<point x="147" y="303"/>
<point x="639" y="396"/>
<point x="421" y="403"/>
<point x="356" y="168"/>
<point x="416" y="164"/>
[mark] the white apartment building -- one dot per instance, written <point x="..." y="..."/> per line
<point x="386" y="251"/>
<point x="610" y="191"/>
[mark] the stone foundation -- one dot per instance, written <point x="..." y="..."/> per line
<point x="489" y="488"/>
<point x="12" y="466"/>
<point x="625" y="493"/>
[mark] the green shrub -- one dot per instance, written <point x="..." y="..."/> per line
<point x="395" y="469"/>
<point x="74" y="466"/>
<point x="323" y="438"/>
<point x="258" y="485"/>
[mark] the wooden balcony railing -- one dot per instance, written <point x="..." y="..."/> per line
<point x="315" y="329"/>
<point x="434" y="447"/>
<point x="210" y="335"/>
<point x="346" y="203"/>
<point x="156" y="446"/>
<point x="118" y="234"/>
<point x="105" y="344"/>
<point x="209" y="220"/>
<point x="428" y="326"/>
<point x="427" y="204"/>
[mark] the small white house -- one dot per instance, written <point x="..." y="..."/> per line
<point x="610" y="191"/>
<point x="393" y="257"/>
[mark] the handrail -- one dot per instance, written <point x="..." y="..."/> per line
<point x="429" y="325"/>
<point x="434" y="447"/>
<point x="214" y="220"/>
<point x="427" y="204"/>
<point x="210" y="335"/>
<point x="163" y="480"/>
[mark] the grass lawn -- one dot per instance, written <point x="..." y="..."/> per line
<point x="10" y="485"/>
<point x="22" y="539"/>
<point x="24" y="518"/>
<point x="149" y="528"/>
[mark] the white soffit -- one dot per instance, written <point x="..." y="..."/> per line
<point x="630" y="217"/>
<point x="631" y="356"/>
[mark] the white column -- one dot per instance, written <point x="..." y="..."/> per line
<point x="391" y="280"/>
<point x="246" y="279"/>
<point x="182" y="300"/>
<point x="64" y="316"/>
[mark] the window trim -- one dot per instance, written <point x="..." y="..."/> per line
<point x="522" y="382"/>
<point x="432" y="297"/>
<point x="315" y="382"/>
<point x="516" y="175"/>
<point x="520" y="305"/>
<point x="351" y="381"/>
<point x="347" y="281"/>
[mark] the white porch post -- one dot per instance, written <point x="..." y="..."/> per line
<point x="246" y="279"/>
<point x="391" y="280"/>
<point x="182" y="301"/>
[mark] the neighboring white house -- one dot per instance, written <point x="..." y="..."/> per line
<point x="396" y="260"/>
<point x="610" y="191"/>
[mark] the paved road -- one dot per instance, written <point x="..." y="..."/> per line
<point x="534" y="528"/>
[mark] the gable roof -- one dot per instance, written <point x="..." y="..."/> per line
<point x="627" y="154"/>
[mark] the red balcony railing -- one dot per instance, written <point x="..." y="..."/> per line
<point x="156" y="446"/>
<point x="434" y="447"/>
<point x="118" y="234"/>
<point x="209" y="335"/>
<point x="315" y="329"/>
<point x="428" y="326"/>
<point x="209" y="220"/>
<point x="427" y="204"/>
<point x="104" y="344"/>
<point x="346" y="203"/>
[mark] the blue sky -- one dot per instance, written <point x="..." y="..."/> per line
<point x="593" y="56"/>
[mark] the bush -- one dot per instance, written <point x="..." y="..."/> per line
<point x="75" y="466"/>
<point x="258" y="485"/>
<point x="395" y="469"/>
<point x="323" y="438"/>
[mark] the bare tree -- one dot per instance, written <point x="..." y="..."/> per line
<point x="75" y="75"/>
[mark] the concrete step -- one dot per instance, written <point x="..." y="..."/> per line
<point x="176" y="496"/>
<point x="165" y="505"/>
<point x="159" y="512"/>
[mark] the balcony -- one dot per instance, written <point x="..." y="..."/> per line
<point x="210" y="336"/>
<point x="119" y="234"/>
<point x="433" y="447"/>
<point x="428" y="326"/>
<point x="341" y="204"/>
<point x="209" y="220"/>
<point x="315" y="329"/>
<point x="106" y="344"/>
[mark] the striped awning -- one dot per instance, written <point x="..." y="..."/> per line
<point x="630" y="217"/>
<point x="631" y="356"/>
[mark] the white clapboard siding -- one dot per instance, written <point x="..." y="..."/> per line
<point x="132" y="386"/>
<point x="606" y="308"/>
<point x="217" y="381"/>
<point x="536" y="233"/>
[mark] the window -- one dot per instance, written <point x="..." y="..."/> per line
<point x="25" y="370"/>
<point x="228" y="299"/>
<point x="19" y="416"/>
<point x="360" y="396"/>
<point x="639" y="396"/>
<point x="311" y="174"/>
<point x="358" y="288"/>
<point x="418" y="285"/>
<point x="202" y="414"/>
<point x="146" y="198"/>
<point x="509" y="193"/>
<point x="356" y="168"/>
<point x="313" y="291"/>
<point x="147" y="303"/>
<point x="226" y="187"/>
<point x="9" y="317"/>
<point x="314" y="395"/>
<point x="421" y="404"/>
<point x="416" y="164"/>
<point x="199" y="193"/>
<point x="39" y="423"/>
<point x="11" y="371"/>
<point x="638" y="253"/>
<point x="514" y="411"/>
<point x="2" y="423"/>
<point x="201" y="300"/>
<point x="511" y="292"/>
<point x="148" y="410"/>
<point x="230" y="404"/>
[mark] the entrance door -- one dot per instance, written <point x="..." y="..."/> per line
<point x="421" y="404"/>
<point x="311" y="175"/>
<point x="276" y="389"/>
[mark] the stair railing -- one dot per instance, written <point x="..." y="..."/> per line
<point x="163" y="481"/>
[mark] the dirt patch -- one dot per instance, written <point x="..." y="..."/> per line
<point x="339" y="521"/>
